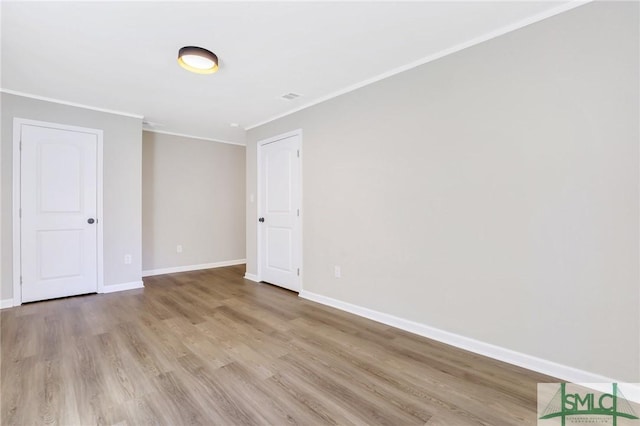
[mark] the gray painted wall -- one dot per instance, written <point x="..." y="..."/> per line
<point x="192" y="195"/>
<point x="122" y="156"/>
<point x="492" y="193"/>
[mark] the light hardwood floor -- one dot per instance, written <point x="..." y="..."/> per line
<point x="208" y="347"/>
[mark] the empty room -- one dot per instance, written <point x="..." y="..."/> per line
<point x="310" y="213"/>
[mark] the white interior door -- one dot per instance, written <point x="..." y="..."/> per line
<point x="279" y="211"/>
<point x="58" y="201"/>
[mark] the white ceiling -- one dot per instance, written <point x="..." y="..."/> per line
<point x="122" y="55"/>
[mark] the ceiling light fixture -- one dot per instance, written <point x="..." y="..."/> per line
<point x="198" y="60"/>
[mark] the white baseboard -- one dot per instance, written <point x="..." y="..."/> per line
<point x="251" y="277"/>
<point x="529" y="362"/>
<point x="122" y="287"/>
<point x="188" y="268"/>
<point x="6" y="303"/>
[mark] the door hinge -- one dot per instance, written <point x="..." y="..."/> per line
<point x="298" y="212"/>
<point x="298" y="271"/>
<point x="20" y="212"/>
<point x="298" y="153"/>
<point x="20" y="279"/>
<point x="20" y="144"/>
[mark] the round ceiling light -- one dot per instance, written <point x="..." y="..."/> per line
<point x="198" y="60"/>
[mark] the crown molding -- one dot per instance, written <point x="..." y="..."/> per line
<point x="184" y="135"/>
<point x="67" y="103"/>
<point x="461" y="46"/>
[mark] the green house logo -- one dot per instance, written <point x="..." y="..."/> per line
<point x="582" y="405"/>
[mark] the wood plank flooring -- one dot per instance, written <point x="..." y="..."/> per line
<point x="208" y="347"/>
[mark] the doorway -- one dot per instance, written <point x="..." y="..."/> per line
<point x="57" y="211"/>
<point x="279" y="210"/>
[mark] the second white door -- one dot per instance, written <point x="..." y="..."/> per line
<point x="279" y="211"/>
<point x="58" y="194"/>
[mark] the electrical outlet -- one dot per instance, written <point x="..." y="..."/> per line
<point x="179" y="248"/>
<point x="336" y="271"/>
<point x="127" y="259"/>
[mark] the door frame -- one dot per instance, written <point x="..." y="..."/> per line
<point x="17" y="185"/>
<point x="260" y="144"/>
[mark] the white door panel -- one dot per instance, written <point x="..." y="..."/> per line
<point x="279" y="207"/>
<point x="58" y="193"/>
<point x="279" y="249"/>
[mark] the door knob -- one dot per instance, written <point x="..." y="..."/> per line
<point x="90" y="220"/>
<point x="261" y="220"/>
